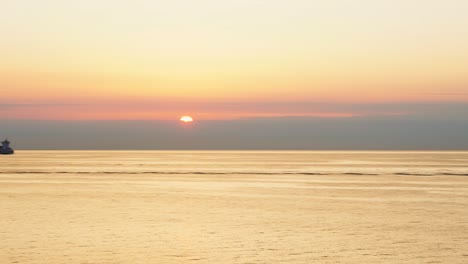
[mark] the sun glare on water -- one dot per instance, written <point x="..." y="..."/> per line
<point x="186" y="119"/>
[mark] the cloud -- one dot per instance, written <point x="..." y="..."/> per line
<point x="35" y="105"/>
<point x="169" y="110"/>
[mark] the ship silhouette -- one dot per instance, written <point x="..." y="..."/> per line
<point x="6" y="149"/>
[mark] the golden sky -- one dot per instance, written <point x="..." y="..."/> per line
<point x="146" y="59"/>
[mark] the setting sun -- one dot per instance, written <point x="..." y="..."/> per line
<point x="186" y="119"/>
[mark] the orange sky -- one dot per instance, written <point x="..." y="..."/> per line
<point x="82" y="60"/>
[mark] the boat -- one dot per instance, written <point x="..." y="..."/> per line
<point x="6" y="149"/>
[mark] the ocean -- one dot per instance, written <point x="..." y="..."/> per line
<point x="233" y="207"/>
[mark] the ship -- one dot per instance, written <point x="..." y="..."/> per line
<point x="6" y="149"/>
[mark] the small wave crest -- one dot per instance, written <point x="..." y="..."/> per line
<point x="233" y="173"/>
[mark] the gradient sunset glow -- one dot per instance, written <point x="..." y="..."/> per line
<point x="112" y="60"/>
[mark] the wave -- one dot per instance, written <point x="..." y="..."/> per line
<point x="234" y="173"/>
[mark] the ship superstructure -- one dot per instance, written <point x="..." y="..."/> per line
<point x="6" y="149"/>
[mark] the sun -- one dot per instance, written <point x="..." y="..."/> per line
<point x="186" y="119"/>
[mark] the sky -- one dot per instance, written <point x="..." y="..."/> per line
<point x="276" y="74"/>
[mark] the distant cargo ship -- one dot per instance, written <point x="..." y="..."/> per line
<point x="6" y="149"/>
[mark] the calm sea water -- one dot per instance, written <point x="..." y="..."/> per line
<point x="236" y="162"/>
<point x="211" y="207"/>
